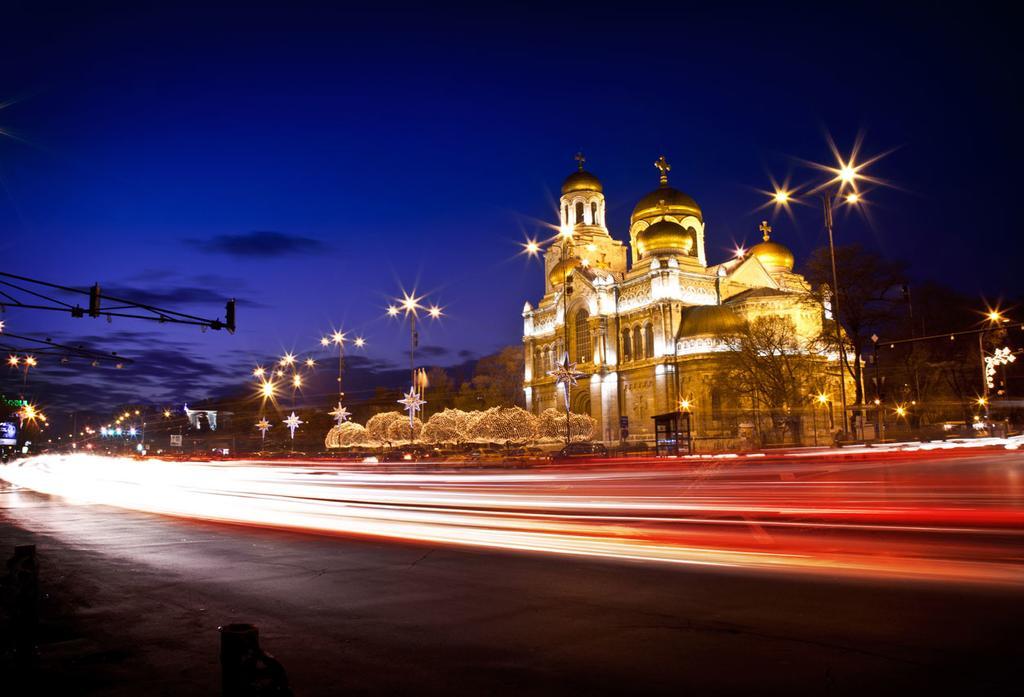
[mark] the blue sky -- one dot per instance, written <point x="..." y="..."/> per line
<point x="314" y="160"/>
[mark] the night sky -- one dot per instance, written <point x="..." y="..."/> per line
<point x="315" y="161"/>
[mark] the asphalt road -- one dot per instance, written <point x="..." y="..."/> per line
<point x="134" y="600"/>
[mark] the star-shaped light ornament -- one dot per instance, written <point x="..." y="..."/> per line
<point x="263" y="425"/>
<point x="293" y="422"/>
<point x="413" y="403"/>
<point x="566" y="374"/>
<point x="340" y="414"/>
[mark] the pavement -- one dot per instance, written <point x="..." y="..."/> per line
<point x="133" y="601"/>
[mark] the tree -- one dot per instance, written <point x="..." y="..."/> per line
<point x="869" y="297"/>
<point x="441" y="389"/>
<point x="497" y="381"/>
<point x="767" y="363"/>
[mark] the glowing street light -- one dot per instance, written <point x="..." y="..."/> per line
<point x="310" y="363"/>
<point x="268" y="389"/>
<point x="13" y="361"/>
<point x="296" y="381"/>
<point x="259" y="371"/>
<point x="841" y="186"/>
<point x="410" y="305"/>
<point x="287" y="359"/>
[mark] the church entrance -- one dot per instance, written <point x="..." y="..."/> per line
<point x="580" y="403"/>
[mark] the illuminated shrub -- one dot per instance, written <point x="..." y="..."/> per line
<point x="378" y="425"/>
<point x="347" y="434"/>
<point x="551" y="425"/>
<point x="503" y="425"/>
<point x="398" y="429"/>
<point x="448" y="426"/>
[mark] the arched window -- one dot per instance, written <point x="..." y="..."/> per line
<point x="593" y="213"/>
<point x="716" y="404"/>
<point x="638" y="342"/>
<point x="565" y="214"/>
<point x="627" y="355"/>
<point x="583" y="349"/>
<point x="579" y="212"/>
<point x="649" y="340"/>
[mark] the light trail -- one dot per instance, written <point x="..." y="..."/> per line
<point x="949" y="516"/>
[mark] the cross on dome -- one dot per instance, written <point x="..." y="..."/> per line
<point x="766" y="230"/>
<point x="664" y="167"/>
<point x="580" y="159"/>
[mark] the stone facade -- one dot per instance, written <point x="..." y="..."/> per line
<point x="648" y="332"/>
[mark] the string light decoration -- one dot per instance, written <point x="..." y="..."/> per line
<point x="340" y="414"/>
<point x="447" y="426"/>
<point x="504" y="425"/>
<point x="263" y="425"/>
<point x="1001" y="356"/>
<point x="404" y="430"/>
<point x="293" y="422"/>
<point x="412" y="402"/>
<point x="377" y="426"/>
<point x="551" y="425"/>
<point x="346" y="434"/>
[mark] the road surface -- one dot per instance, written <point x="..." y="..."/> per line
<point x="894" y="574"/>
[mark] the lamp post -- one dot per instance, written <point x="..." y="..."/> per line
<point x="846" y="174"/>
<point x="410" y="306"/>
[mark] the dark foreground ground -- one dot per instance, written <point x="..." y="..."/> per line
<point x="133" y="602"/>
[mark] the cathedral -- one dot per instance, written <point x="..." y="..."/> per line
<point x="645" y="322"/>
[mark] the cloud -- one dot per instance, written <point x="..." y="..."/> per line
<point x="174" y="296"/>
<point x="259" y="243"/>
<point x="433" y="351"/>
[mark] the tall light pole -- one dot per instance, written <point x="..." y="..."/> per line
<point x="410" y="306"/>
<point x="841" y="187"/>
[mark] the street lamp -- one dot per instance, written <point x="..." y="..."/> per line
<point x="410" y="306"/>
<point x="841" y="187"/>
<point x="994" y="318"/>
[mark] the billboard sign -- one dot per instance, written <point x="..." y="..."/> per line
<point x="8" y="433"/>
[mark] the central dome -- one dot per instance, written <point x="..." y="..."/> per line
<point x="666" y="201"/>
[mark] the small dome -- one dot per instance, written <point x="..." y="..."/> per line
<point x="581" y="181"/>
<point x="773" y="256"/>
<point x="666" y="201"/>
<point x="664" y="236"/>
<point x="562" y="269"/>
<point x="716" y="320"/>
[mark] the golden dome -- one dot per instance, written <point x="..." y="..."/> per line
<point x="562" y="269"/>
<point x="581" y="181"/>
<point x="716" y="320"/>
<point x="666" y="201"/>
<point x="664" y="236"/>
<point x="772" y="255"/>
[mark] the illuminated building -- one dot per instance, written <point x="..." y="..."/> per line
<point x="648" y="331"/>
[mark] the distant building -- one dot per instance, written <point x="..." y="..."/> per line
<point x="646" y="320"/>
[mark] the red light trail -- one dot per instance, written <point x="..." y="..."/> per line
<point x="949" y="516"/>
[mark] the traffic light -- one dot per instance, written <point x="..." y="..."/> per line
<point x="229" y="314"/>
<point x="94" y="300"/>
